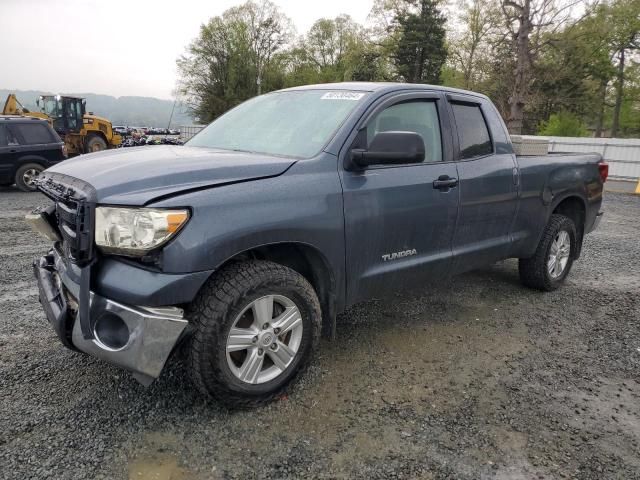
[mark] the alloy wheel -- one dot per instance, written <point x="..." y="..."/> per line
<point x="559" y="254"/>
<point x="29" y="177"/>
<point x="264" y="339"/>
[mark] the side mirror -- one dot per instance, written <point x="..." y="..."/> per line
<point x="389" y="148"/>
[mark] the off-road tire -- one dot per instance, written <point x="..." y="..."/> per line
<point x="533" y="270"/>
<point x="95" y="143"/>
<point x="213" y="312"/>
<point x="20" y="182"/>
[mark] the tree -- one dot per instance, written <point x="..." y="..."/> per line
<point x="530" y="24"/>
<point x="566" y="76"/>
<point x="579" y="70"/>
<point x="563" y="124"/>
<point x="624" y="16"/>
<point x="537" y="60"/>
<point x="471" y="48"/>
<point x="420" y="52"/>
<point x="328" y="44"/>
<point x="629" y="121"/>
<point x="226" y="63"/>
<point x="591" y="35"/>
<point x="336" y="50"/>
<point x="268" y="32"/>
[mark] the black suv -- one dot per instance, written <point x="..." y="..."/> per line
<point x="27" y="146"/>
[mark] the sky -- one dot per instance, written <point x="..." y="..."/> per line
<point x="119" y="47"/>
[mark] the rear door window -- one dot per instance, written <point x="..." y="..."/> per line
<point x="473" y="133"/>
<point x="32" y="133"/>
<point x="10" y="137"/>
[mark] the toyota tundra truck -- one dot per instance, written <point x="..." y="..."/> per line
<point x="244" y="244"/>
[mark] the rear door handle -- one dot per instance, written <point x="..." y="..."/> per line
<point x="445" y="182"/>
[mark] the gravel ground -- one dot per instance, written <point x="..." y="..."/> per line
<point x="475" y="378"/>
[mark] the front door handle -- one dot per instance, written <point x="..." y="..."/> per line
<point x="445" y="182"/>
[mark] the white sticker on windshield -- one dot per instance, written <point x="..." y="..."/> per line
<point x="342" y="96"/>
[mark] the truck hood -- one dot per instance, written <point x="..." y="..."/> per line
<point x="139" y="175"/>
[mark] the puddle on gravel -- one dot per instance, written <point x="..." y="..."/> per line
<point x="153" y="462"/>
<point x="157" y="469"/>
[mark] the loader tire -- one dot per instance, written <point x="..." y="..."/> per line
<point x="96" y="143"/>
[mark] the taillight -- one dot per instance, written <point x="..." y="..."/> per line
<point x="603" y="168"/>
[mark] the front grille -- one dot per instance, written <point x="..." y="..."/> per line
<point x="74" y="212"/>
<point x="74" y="223"/>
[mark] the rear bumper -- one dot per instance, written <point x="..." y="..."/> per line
<point x="138" y="339"/>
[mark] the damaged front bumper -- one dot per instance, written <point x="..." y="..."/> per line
<point x="138" y="339"/>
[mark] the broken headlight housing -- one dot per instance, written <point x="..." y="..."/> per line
<point x="136" y="231"/>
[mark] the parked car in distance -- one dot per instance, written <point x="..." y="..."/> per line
<point x="27" y="147"/>
<point x="249" y="240"/>
<point x="158" y="131"/>
<point x="122" y="130"/>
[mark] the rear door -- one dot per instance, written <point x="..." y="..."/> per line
<point x="488" y="185"/>
<point x="8" y="154"/>
<point x="398" y="225"/>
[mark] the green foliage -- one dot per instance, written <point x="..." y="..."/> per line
<point x="420" y="52"/>
<point x="563" y="124"/>
<point x="233" y="58"/>
<point x="573" y="78"/>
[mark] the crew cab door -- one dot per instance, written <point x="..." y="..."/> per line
<point x="488" y="184"/>
<point x="399" y="225"/>
<point x="8" y="155"/>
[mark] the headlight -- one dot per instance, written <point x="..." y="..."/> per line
<point x="135" y="231"/>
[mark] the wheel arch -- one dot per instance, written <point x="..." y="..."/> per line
<point x="574" y="207"/>
<point x="309" y="262"/>
<point x="31" y="158"/>
<point x="26" y="159"/>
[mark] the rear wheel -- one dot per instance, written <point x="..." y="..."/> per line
<point x="553" y="259"/>
<point x="96" y="143"/>
<point x="26" y="176"/>
<point x="255" y="325"/>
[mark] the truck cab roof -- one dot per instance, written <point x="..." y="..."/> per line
<point x="383" y="87"/>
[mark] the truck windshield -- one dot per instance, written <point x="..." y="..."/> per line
<point x="295" y="123"/>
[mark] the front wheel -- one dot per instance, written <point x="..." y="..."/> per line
<point x="26" y="176"/>
<point x="255" y="326"/>
<point x="551" y="263"/>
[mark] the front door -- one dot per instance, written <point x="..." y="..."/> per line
<point x="398" y="224"/>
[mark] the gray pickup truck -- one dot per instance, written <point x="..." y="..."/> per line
<point x="247" y="242"/>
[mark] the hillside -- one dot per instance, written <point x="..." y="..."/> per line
<point x="135" y="111"/>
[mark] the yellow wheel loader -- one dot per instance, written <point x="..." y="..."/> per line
<point x="82" y="132"/>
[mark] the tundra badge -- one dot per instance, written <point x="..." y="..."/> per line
<point x="396" y="255"/>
